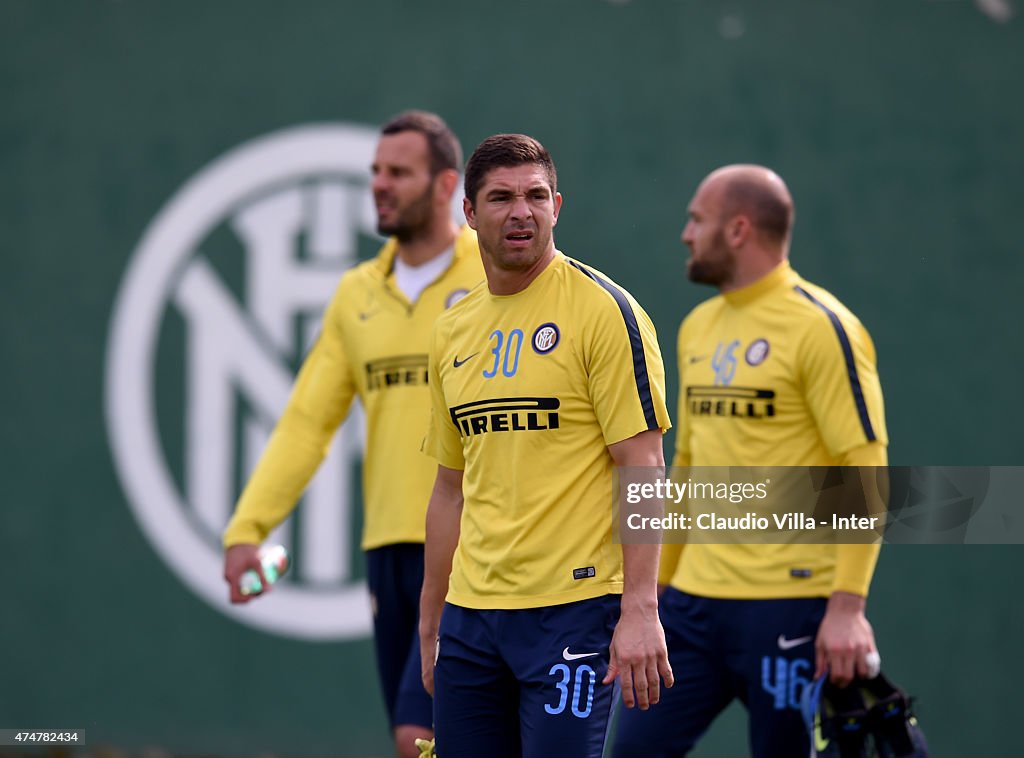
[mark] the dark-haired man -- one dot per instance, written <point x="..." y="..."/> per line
<point x="543" y="379"/>
<point x="374" y="346"/>
<point x="758" y="621"/>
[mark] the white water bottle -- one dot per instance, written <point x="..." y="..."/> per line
<point x="275" y="562"/>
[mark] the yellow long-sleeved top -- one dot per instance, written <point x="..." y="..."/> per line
<point x="778" y="373"/>
<point x="373" y="344"/>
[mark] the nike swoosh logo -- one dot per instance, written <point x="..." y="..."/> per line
<point x="367" y="314"/>
<point x="456" y="363"/>
<point x="697" y="358"/>
<point x="576" y="656"/>
<point x="820" y="743"/>
<point x="785" y="644"/>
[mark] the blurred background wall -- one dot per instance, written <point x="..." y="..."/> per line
<point x="182" y="184"/>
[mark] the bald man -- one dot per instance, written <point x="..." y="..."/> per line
<point x="757" y="622"/>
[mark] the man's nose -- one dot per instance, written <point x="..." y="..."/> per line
<point x="521" y="208"/>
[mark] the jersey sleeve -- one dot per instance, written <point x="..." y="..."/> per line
<point x="855" y="564"/>
<point x="443" y="441"/>
<point x="841" y="382"/>
<point x="671" y="552"/>
<point x="319" y="402"/>
<point x="626" y="375"/>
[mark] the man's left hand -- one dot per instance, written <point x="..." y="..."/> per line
<point x="639" y="658"/>
<point x="845" y="639"/>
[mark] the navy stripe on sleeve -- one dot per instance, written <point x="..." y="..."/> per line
<point x="851" y="365"/>
<point x="636" y="344"/>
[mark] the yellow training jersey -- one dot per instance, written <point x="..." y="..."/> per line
<point x="373" y="344"/>
<point x="779" y="373"/>
<point x="528" y="390"/>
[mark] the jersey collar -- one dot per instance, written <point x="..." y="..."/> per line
<point x="465" y="244"/>
<point x="780" y="276"/>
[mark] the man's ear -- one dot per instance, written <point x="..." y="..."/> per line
<point x="445" y="183"/>
<point x="738" y="230"/>
<point x="467" y="208"/>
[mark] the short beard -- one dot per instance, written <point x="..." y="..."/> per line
<point x="412" y="221"/>
<point x="703" y="272"/>
<point x="714" y="270"/>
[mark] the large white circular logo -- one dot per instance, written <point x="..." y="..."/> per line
<point x="294" y="204"/>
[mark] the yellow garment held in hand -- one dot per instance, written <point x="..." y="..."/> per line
<point x="426" y="748"/>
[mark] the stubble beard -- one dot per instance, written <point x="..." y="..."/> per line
<point x="410" y="222"/>
<point x="520" y="259"/>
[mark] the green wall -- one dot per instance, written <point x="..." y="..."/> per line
<point x="898" y="125"/>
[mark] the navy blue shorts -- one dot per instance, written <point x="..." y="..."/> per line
<point x="525" y="682"/>
<point x="760" y="651"/>
<point x="394" y="574"/>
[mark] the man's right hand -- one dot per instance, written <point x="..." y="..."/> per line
<point x="237" y="560"/>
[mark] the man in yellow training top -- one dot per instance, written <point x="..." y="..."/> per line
<point x="543" y="380"/>
<point x="374" y="346"/>
<point x="758" y="621"/>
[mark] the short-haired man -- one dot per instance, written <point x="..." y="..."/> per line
<point x="374" y="346"/>
<point x="543" y="380"/>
